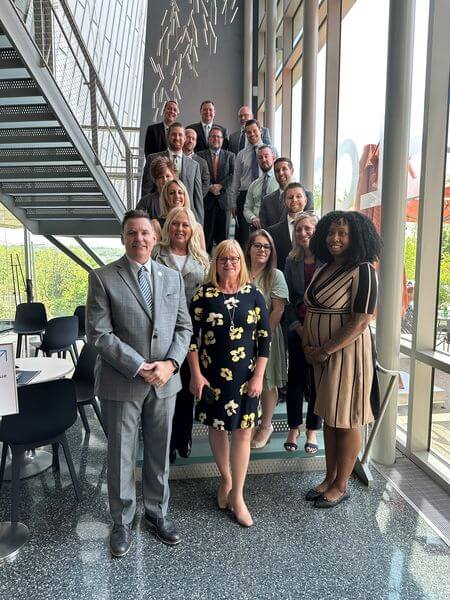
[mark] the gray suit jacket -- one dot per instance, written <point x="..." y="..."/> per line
<point x="233" y="140"/>
<point x="224" y="175"/>
<point x="204" y="172"/>
<point x="273" y="209"/>
<point x="193" y="273"/>
<point x="190" y="175"/>
<point x="120" y="326"/>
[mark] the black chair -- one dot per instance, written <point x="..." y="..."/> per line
<point x="80" y="312"/>
<point x="30" y="319"/>
<point x="60" y="335"/>
<point x="46" y="411"/>
<point x="83" y="378"/>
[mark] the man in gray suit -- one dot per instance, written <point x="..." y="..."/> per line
<point x="221" y="167"/>
<point x="138" y="321"/>
<point x="186" y="169"/>
<point x="238" y="140"/>
<point x="188" y="150"/>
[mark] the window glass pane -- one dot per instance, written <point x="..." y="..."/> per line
<point x="320" y="116"/>
<point x="12" y="265"/>
<point x="278" y="124"/>
<point x="443" y="312"/>
<point x="402" y="398"/>
<point x="297" y="26"/>
<point x="361" y="103"/>
<point x="296" y="118"/>
<point x="440" y="417"/>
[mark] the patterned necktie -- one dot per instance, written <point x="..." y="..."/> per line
<point x="242" y="141"/>
<point x="145" y="287"/>
<point x="255" y="165"/>
<point x="215" y="165"/>
<point x="264" y="185"/>
<point x="176" y="163"/>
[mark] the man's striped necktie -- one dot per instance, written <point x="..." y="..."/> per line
<point x="145" y="287"/>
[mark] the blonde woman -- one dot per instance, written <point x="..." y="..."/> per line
<point x="173" y="195"/>
<point x="228" y="357"/>
<point x="180" y="248"/>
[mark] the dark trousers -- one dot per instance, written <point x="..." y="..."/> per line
<point x="183" y="417"/>
<point x="243" y="230"/>
<point x="300" y="386"/>
<point x="215" y="222"/>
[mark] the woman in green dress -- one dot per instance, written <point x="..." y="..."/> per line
<point x="261" y="259"/>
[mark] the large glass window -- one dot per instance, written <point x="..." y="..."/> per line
<point x="296" y="116"/>
<point x="278" y="121"/>
<point x="320" y="116"/>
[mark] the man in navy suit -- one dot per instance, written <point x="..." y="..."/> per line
<point x="156" y="136"/>
<point x="238" y="140"/>
<point x="202" y="129"/>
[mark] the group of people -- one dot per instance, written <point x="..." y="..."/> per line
<point x="191" y="324"/>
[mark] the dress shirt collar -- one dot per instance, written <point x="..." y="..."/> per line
<point x="173" y="153"/>
<point x="189" y="155"/>
<point x="135" y="266"/>
<point x="215" y="152"/>
<point x="207" y="124"/>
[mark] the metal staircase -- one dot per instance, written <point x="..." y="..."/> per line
<point x="65" y="163"/>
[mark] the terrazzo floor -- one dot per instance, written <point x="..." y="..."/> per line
<point x="374" y="546"/>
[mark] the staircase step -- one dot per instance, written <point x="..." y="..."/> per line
<point x="33" y="135"/>
<point x="10" y="59"/>
<point x="39" y="155"/>
<point x="44" y="188"/>
<point x="19" y="88"/>
<point x="51" y="202"/>
<point x="21" y="113"/>
<point x="81" y="214"/>
<point x="271" y="459"/>
<point x="26" y="173"/>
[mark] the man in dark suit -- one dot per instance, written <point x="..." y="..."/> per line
<point x="221" y="166"/>
<point x="188" y="150"/>
<point x="186" y="169"/>
<point x="273" y="206"/>
<point x="156" y="136"/>
<point x="238" y="140"/>
<point x="202" y="129"/>
<point x="138" y="321"/>
<point x="295" y="202"/>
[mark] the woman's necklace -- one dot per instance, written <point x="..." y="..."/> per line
<point x="230" y="312"/>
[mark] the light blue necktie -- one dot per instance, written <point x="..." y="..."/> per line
<point x="145" y="287"/>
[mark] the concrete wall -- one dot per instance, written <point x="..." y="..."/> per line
<point x="220" y="74"/>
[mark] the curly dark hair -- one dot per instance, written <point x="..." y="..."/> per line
<point x="365" y="243"/>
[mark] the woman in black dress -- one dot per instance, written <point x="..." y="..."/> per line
<point x="228" y="354"/>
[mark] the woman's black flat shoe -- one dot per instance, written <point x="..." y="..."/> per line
<point x="323" y="502"/>
<point x="312" y="494"/>
<point x="290" y="446"/>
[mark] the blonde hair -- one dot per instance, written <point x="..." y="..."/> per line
<point x="297" y="252"/>
<point x="222" y="249"/>
<point x="164" y="207"/>
<point x="194" y="246"/>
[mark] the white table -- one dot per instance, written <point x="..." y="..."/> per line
<point x="37" y="461"/>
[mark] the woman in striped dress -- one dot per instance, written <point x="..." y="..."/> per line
<point x="340" y="304"/>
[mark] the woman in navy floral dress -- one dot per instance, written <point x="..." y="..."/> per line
<point x="228" y="353"/>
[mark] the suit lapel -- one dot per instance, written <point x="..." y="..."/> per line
<point x="128" y="277"/>
<point x="157" y="284"/>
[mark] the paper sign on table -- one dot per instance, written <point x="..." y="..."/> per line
<point x="8" y="385"/>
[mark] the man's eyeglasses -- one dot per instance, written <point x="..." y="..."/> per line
<point x="232" y="259"/>
<point x="265" y="247"/>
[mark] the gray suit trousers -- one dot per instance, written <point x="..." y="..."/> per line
<point x="122" y="423"/>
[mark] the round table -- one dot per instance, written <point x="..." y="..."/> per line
<point x="37" y="461"/>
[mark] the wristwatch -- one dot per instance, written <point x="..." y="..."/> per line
<point x="176" y="366"/>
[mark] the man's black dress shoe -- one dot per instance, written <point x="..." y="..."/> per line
<point x="164" y="529"/>
<point x="120" y="540"/>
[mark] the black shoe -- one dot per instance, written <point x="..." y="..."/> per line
<point x="164" y="529"/>
<point x="172" y="456"/>
<point x="313" y="494"/>
<point x="120" y="540"/>
<point x="323" y="502"/>
<point x="184" y="450"/>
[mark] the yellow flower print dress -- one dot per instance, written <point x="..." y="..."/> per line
<point x="227" y="358"/>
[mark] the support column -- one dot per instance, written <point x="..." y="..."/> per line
<point x="310" y="49"/>
<point x="247" y="92"/>
<point x="394" y="186"/>
<point x="271" y="64"/>
<point x="330" y="138"/>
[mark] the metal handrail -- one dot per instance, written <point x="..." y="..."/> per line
<point x="43" y="20"/>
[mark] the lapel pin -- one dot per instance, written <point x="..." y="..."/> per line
<point x="159" y="273"/>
